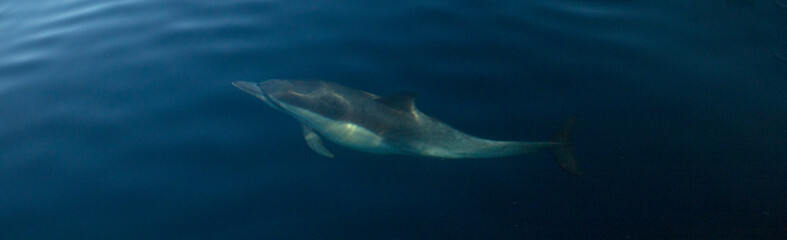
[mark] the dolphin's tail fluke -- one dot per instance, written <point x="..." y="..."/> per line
<point x="563" y="151"/>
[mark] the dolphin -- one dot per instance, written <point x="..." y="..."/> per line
<point x="389" y="125"/>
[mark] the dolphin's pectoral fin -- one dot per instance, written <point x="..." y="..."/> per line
<point x="314" y="142"/>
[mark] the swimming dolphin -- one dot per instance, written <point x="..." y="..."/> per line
<point x="388" y="125"/>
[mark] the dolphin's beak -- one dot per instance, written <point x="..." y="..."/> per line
<point x="255" y="90"/>
<point x="248" y="87"/>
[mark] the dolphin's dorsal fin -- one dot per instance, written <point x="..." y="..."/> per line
<point x="314" y="142"/>
<point x="402" y="101"/>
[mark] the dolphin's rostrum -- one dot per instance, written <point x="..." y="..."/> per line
<point x="388" y="125"/>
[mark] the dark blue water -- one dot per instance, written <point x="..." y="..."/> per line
<point x="119" y="121"/>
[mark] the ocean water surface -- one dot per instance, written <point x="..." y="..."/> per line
<point x="118" y="119"/>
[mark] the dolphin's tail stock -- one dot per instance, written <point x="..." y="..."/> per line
<point x="563" y="151"/>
